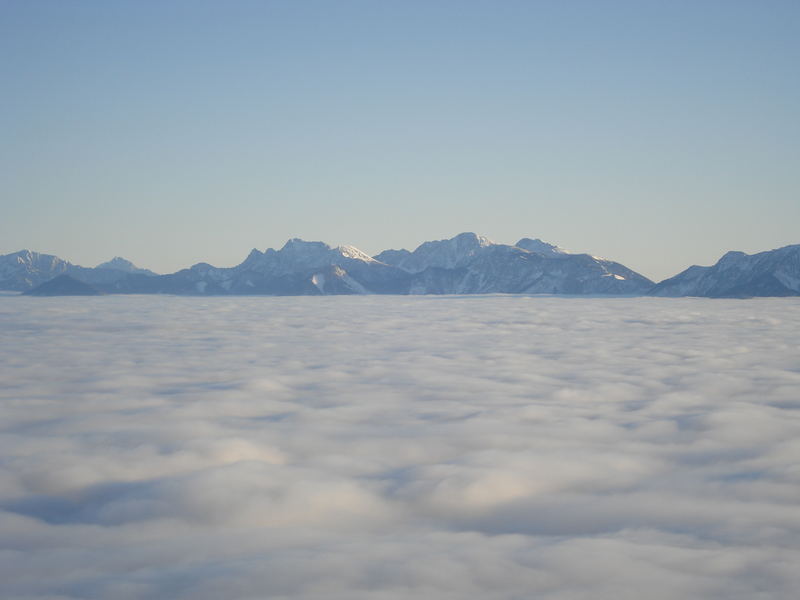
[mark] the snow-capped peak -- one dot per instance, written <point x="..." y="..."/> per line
<point x="471" y="238"/>
<point x="24" y="256"/>
<point x="447" y="254"/>
<point x="355" y="253"/>
<point x="540" y="247"/>
<point x="319" y="252"/>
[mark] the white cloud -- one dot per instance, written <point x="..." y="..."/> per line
<point x="398" y="447"/>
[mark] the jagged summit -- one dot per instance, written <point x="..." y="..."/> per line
<point x="33" y="258"/>
<point x="24" y="269"/>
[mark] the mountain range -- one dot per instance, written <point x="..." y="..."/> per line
<point x="25" y="270"/>
<point x="737" y="275"/>
<point x="465" y="264"/>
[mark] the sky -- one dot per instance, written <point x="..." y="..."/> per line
<point x="658" y="134"/>
<point x="399" y="447"/>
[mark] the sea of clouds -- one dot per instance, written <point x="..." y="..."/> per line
<point x="493" y="447"/>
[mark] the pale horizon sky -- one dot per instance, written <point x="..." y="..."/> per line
<point x="657" y="134"/>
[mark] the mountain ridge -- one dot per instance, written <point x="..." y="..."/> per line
<point x="464" y="264"/>
<point x="24" y="270"/>
<point x="736" y="275"/>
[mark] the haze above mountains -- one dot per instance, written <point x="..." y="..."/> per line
<point x="465" y="264"/>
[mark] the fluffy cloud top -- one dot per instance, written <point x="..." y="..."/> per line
<point x="399" y="447"/>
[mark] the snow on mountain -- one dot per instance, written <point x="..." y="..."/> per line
<point x="472" y="264"/>
<point x="444" y="254"/>
<point x="298" y="255"/>
<point x="120" y="264"/>
<point x="465" y="264"/>
<point x="537" y="245"/>
<point x="499" y="268"/>
<point x="736" y="274"/>
<point x="355" y="253"/>
<point x="298" y="268"/>
<point x="23" y="270"/>
<point x="312" y="262"/>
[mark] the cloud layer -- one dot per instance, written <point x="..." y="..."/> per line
<point x="399" y="447"/>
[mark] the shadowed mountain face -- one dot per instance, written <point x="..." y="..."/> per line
<point x="739" y="275"/>
<point x="63" y="285"/>
<point x="465" y="264"/>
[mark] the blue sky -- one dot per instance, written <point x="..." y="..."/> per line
<point x="658" y="134"/>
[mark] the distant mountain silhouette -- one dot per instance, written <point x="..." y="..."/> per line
<point x="64" y="285"/>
